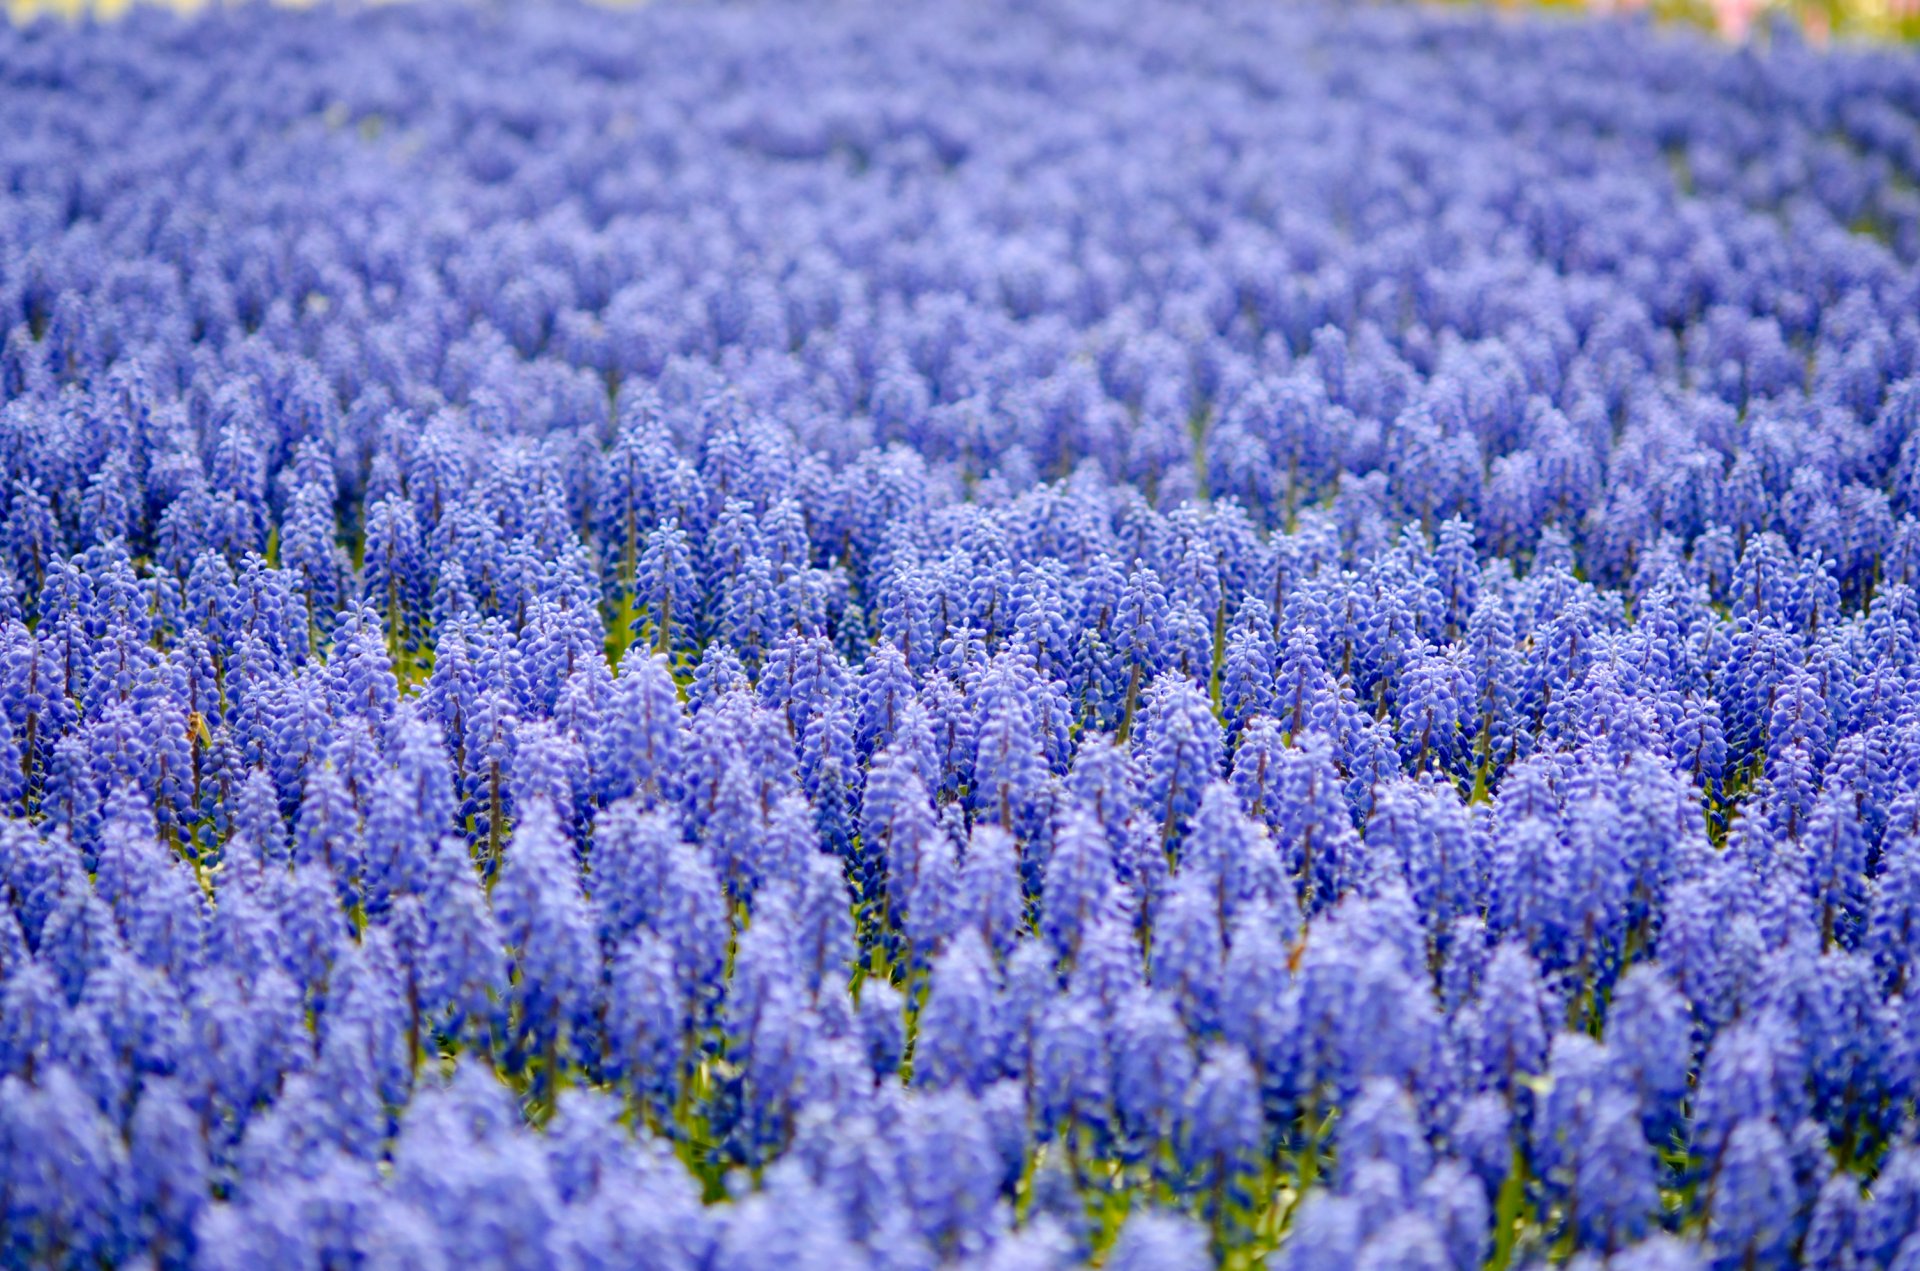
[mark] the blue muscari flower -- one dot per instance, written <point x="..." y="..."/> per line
<point x="546" y="922"/>
<point x="1106" y="968"/>
<point x="1256" y="772"/>
<point x="1754" y="1070"/>
<point x="1465" y="950"/>
<point x="1381" y="1126"/>
<point x="1105" y="783"/>
<point x="411" y="807"/>
<point x="273" y="1228"/>
<point x="309" y="549"/>
<point x="1752" y="1203"/>
<point x="1229" y="846"/>
<point x="734" y="730"/>
<point x="1139" y="637"/>
<point x="1409" y="1243"/>
<point x="157" y="904"/>
<point x="327" y="1116"/>
<point x="1435" y="692"/>
<point x="881" y="1019"/>
<point x="1863" y="764"/>
<point x="989" y="897"/>
<point x="465" y="964"/>
<point x="1100" y="668"/>
<point x="1482" y="1137"/>
<point x="360" y="671"/>
<point x="1893" y="1210"/>
<point x="1247" y="673"/>
<point x="1071" y="1068"/>
<point x="34" y="1023"/>
<point x="588" y="1148"/>
<point x="395" y="568"/>
<point x="1510" y="1027"/>
<point x="886" y="688"/>
<point x="736" y="829"/>
<point x="79" y="937"/>
<point x="1437" y="843"/>
<point x="952" y="727"/>
<point x="1311" y="822"/>
<point x="1221" y="1129"/>
<point x="820" y="903"/>
<point x="667" y="595"/>
<point x="1842" y="1031"/>
<point x="959" y="1028"/>
<point x="831" y="778"/>
<point x="1154" y="1064"/>
<point x="1326" y="1235"/>
<point x="1259" y="1005"/>
<point x="333" y="804"/>
<point x="1836" y="849"/>
<point x="106" y="514"/>
<point x="858" y="1169"/>
<point x="951" y="1173"/>
<point x="1009" y="782"/>
<point x="1650" y="1045"/>
<point x="371" y="1021"/>
<point x="1155" y="1240"/>
<point x="36" y="703"/>
<point x="1188" y="948"/>
<point x="168" y="1173"/>
<point x="752" y="616"/>
<point x="1042" y="628"/>
<point x="480" y="1180"/>
<point x="138" y="1014"/>
<point x="1306" y="697"/>
<point x="648" y="1020"/>
<point x="1835" y="1228"/>
<point x="32" y="533"/>
<point x="790" y="1224"/>
<point x="1800" y="717"/>
<point x="1190" y="644"/>
<point x="899" y="833"/>
<point x="1714" y="910"/>
<point x="1894" y="923"/>
<point x="1700" y="745"/>
<point x="562" y="680"/>
<point x="652" y="1223"/>
<point x="781" y="1049"/>
<point x="1456" y="574"/>
<point x="1455" y="1202"/>
<point x="1613" y="1193"/>
<point x="1367" y="1008"/>
<point x="1561" y="650"/>
<point x="905" y="615"/>
<point x="1079" y="880"/>
<point x="1580" y="925"/>
<point x="66" y="1172"/>
<point x="804" y="675"/>
<point x="731" y="541"/>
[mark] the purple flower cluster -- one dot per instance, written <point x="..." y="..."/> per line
<point x="983" y="634"/>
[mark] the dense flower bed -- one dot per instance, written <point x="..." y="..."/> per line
<point x="747" y="637"/>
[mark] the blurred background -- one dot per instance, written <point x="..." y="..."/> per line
<point x="1744" y="19"/>
<point x="1819" y="20"/>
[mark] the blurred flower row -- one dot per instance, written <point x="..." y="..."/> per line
<point x="1818" y="20"/>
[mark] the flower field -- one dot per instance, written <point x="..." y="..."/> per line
<point x="989" y="635"/>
